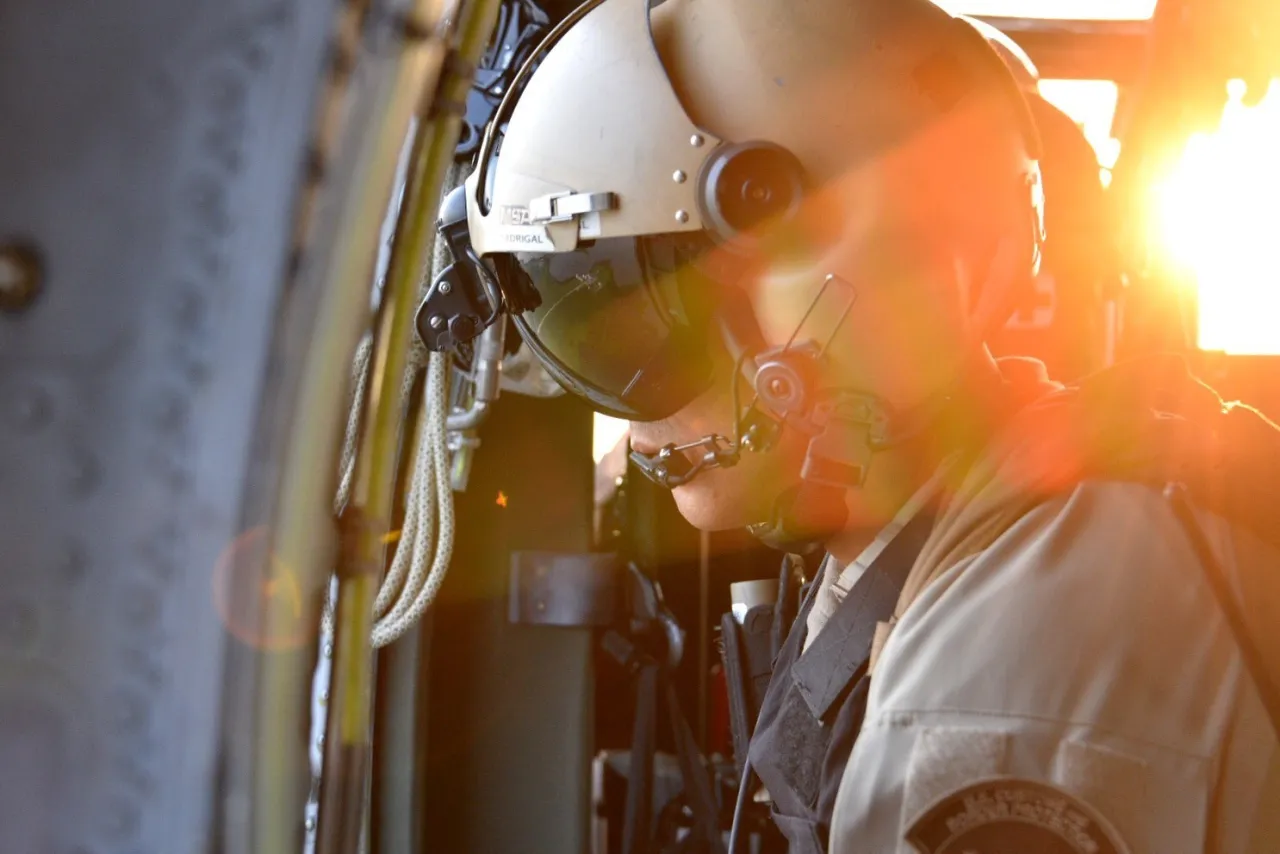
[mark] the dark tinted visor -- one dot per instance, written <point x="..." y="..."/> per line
<point x="623" y="322"/>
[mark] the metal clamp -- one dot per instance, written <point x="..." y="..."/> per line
<point x="669" y="467"/>
<point x="558" y="207"/>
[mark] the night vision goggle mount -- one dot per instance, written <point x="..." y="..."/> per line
<point x="467" y="297"/>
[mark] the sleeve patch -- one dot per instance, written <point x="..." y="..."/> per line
<point x="1011" y="816"/>
<point x="1103" y="776"/>
<point x="945" y="759"/>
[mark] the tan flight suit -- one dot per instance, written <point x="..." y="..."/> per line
<point x="1059" y="670"/>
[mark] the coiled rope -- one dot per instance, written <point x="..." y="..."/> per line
<point x="424" y="544"/>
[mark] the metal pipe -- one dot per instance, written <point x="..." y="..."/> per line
<point x="348" y="738"/>
<point x="487" y="371"/>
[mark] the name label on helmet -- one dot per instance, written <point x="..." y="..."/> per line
<point x="522" y="238"/>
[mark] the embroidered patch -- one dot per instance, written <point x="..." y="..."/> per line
<point x="1009" y="816"/>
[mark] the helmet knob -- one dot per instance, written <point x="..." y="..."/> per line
<point x="743" y="185"/>
<point x="781" y="386"/>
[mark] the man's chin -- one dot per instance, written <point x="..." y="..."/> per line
<point x="702" y="508"/>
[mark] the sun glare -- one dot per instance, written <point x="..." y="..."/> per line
<point x="606" y="434"/>
<point x="1092" y="104"/>
<point x="1217" y="219"/>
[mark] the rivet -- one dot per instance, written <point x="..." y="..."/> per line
<point x="33" y="409"/>
<point x="445" y="287"/>
<point x="678" y="176"/>
<point x="696" y="140"/>
<point x="311" y="823"/>
<point x="682" y="216"/>
<point x="123" y="821"/>
<point x="17" y="625"/>
<point x="85" y="474"/>
<point x="19" y="277"/>
<point x="74" y="562"/>
<point x="437" y="321"/>
<point x="328" y="650"/>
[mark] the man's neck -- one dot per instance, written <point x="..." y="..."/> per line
<point x="849" y="543"/>
<point x="894" y="477"/>
<point x="896" y="474"/>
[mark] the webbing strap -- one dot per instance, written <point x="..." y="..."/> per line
<point x="637" y="825"/>
<point x="698" y="790"/>
<point x="1264" y="680"/>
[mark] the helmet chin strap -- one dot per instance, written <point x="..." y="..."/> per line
<point x="670" y="467"/>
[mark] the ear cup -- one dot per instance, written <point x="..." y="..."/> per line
<point x="743" y="185"/>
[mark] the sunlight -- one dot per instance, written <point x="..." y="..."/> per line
<point x="1217" y="218"/>
<point x="1092" y="104"/>
<point x="606" y="434"/>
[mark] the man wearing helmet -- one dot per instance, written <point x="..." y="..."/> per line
<point x="774" y="235"/>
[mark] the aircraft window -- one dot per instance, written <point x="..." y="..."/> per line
<point x="607" y="434"/>
<point x="1092" y="103"/>
<point x="1080" y="10"/>
<point x="1213" y="218"/>
<point x="1216" y="221"/>
<point x="609" y="450"/>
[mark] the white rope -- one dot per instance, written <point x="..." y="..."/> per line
<point x="405" y="597"/>
<point x="355" y="411"/>
<point x="424" y="546"/>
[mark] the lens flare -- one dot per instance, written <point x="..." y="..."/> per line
<point x="1217" y="220"/>
<point x="258" y="598"/>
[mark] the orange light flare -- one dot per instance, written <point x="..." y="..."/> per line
<point x="1216" y="219"/>
<point x="258" y="597"/>
<point x="502" y="499"/>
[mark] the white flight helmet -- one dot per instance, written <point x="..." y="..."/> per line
<point x="1020" y="64"/>
<point x="658" y="159"/>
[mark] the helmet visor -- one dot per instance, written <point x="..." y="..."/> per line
<point x="623" y="322"/>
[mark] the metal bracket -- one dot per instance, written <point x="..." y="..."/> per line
<point x="851" y="428"/>
<point x="593" y="590"/>
<point x="564" y="589"/>
<point x="558" y="207"/>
